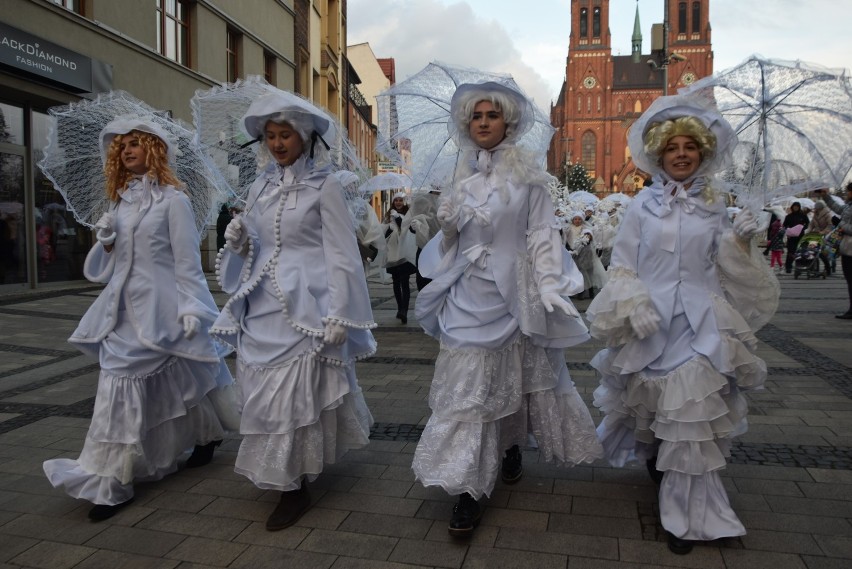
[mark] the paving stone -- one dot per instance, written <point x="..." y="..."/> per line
<point x="115" y="559"/>
<point x="51" y="555"/>
<point x="357" y="470"/>
<point x="288" y="538"/>
<point x="764" y="487"/>
<point x="181" y="501"/>
<point x="793" y="523"/>
<point x="350" y="544"/>
<point x="810" y="506"/>
<point x="768" y="472"/>
<point x="835" y="546"/>
<point x="42" y="505"/>
<point x="208" y="551"/>
<point x="540" y="502"/>
<point x="219" y="528"/>
<point x="505" y="518"/>
<point x="333" y="482"/>
<point x="418" y="552"/>
<point x="826" y="491"/>
<point x="484" y="536"/>
<point x="322" y="518"/>
<point x="742" y="559"/>
<point x="781" y="542"/>
<point x="11" y="546"/>
<point x="643" y="493"/>
<point x="550" y="542"/>
<point x="831" y="476"/>
<point x="814" y="562"/>
<point x="386" y="525"/>
<point x="382" y="487"/>
<point x="742" y="502"/>
<point x="595" y="525"/>
<point x="240" y="509"/>
<point x="63" y="530"/>
<point x="370" y="504"/>
<point x="136" y="540"/>
<point x="602" y="507"/>
<point x="656" y="553"/>
<point x="240" y="490"/>
<point x="486" y="558"/>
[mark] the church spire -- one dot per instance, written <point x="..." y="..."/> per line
<point x="637" y="37"/>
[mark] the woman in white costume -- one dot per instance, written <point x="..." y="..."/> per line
<point x="401" y="252"/>
<point x="498" y="303"/>
<point x="299" y="313"/>
<point x="579" y="237"/>
<point x="160" y="371"/>
<point x="687" y="291"/>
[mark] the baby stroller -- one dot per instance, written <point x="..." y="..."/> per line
<point x="806" y="260"/>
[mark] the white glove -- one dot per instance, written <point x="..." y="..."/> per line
<point x="745" y="225"/>
<point x="235" y="235"/>
<point x="191" y="324"/>
<point x="395" y="214"/>
<point x="105" y="229"/>
<point x="644" y="321"/>
<point x="552" y="300"/>
<point x="335" y="333"/>
<point x="448" y="218"/>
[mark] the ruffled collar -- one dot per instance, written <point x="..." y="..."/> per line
<point x="666" y="193"/>
<point x="141" y="190"/>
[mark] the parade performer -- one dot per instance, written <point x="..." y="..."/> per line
<point x="686" y="293"/>
<point x="401" y="253"/>
<point x="498" y="304"/>
<point x="299" y="312"/>
<point x="163" y="387"/>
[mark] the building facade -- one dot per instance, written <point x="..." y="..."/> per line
<point x="603" y="95"/>
<point x="53" y="52"/>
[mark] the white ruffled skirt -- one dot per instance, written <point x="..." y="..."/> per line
<point x="485" y="401"/>
<point x="144" y="425"/>
<point x="687" y="418"/>
<point x="296" y="417"/>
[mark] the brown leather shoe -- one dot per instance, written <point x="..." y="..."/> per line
<point x="289" y="509"/>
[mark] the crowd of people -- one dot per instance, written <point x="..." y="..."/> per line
<point x="678" y="291"/>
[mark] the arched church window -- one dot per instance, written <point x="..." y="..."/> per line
<point x="696" y="17"/>
<point x="637" y="107"/>
<point x="620" y="107"/>
<point x="599" y="103"/>
<point x="584" y="22"/>
<point x="588" y="146"/>
<point x="681" y="17"/>
<point x="596" y="23"/>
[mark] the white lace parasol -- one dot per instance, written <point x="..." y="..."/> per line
<point x="218" y="116"/>
<point x="73" y="161"/>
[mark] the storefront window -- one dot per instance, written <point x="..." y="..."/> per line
<point x="11" y="124"/>
<point x="61" y="242"/>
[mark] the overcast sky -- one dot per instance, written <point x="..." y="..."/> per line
<point x="531" y="42"/>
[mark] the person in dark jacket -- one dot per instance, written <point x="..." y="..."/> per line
<point x="794" y="218"/>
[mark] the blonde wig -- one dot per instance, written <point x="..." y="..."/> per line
<point x="156" y="161"/>
<point x="660" y="133"/>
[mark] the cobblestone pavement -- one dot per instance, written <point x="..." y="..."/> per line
<point x="789" y="478"/>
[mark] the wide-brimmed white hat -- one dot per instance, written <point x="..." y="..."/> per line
<point x="673" y="107"/>
<point x="458" y="125"/>
<point x="123" y="125"/>
<point x="285" y="107"/>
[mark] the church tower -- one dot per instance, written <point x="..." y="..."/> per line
<point x="603" y="94"/>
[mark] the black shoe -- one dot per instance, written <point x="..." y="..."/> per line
<point x="403" y="318"/>
<point x="466" y="516"/>
<point x="289" y="509"/>
<point x="513" y="467"/>
<point x="202" y="454"/>
<point x="845" y="316"/>
<point x="101" y="512"/>
<point x="677" y="545"/>
<point x="656" y="475"/>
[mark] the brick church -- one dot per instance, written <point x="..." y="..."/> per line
<point x="603" y="94"/>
